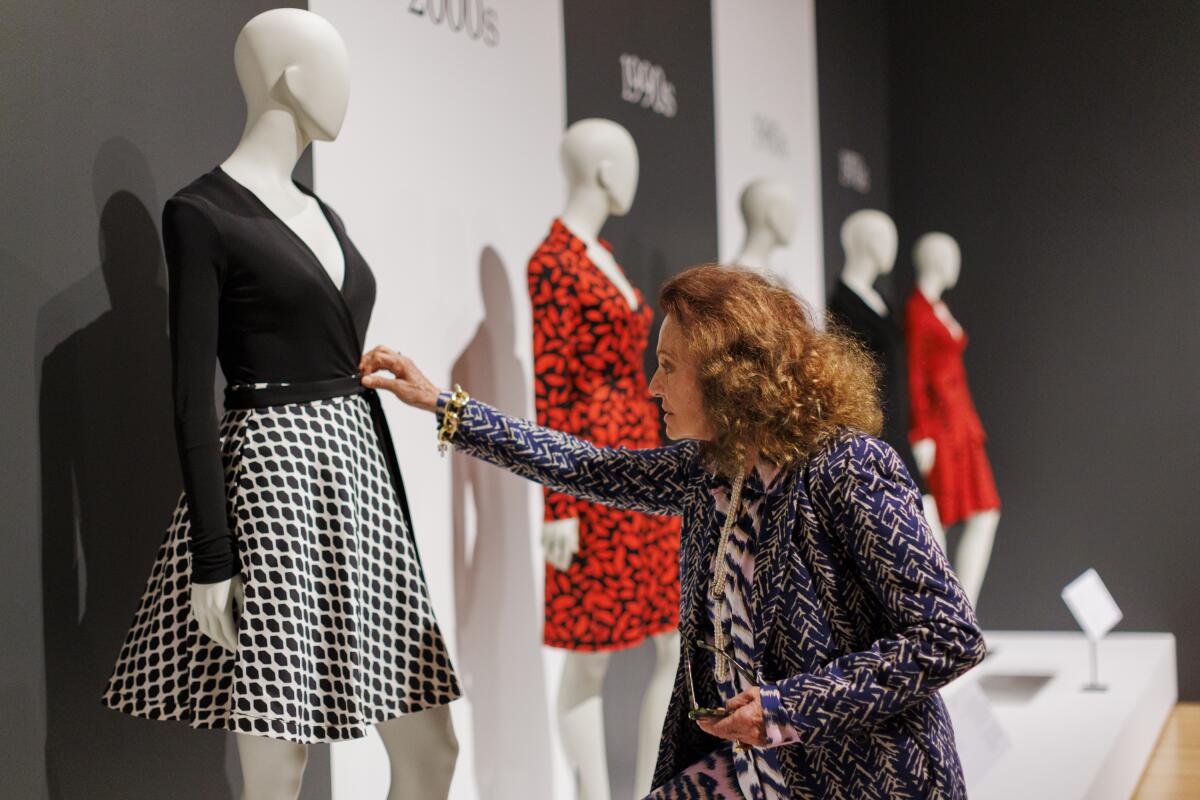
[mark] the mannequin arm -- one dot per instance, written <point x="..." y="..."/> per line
<point x="214" y="606"/>
<point x="925" y="452"/>
<point x="556" y="319"/>
<point x="920" y="406"/>
<point x="195" y="267"/>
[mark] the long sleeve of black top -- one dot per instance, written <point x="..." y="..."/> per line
<point x="195" y="268"/>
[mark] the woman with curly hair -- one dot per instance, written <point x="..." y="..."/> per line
<point x="818" y="616"/>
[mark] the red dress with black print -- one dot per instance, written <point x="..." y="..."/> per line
<point x="941" y="409"/>
<point x="588" y="347"/>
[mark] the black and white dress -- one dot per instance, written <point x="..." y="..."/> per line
<point x="296" y="488"/>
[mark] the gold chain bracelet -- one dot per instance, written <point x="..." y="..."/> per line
<point x="451" y="417"/>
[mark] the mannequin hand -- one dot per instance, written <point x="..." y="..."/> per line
<point x="746" y="724"/>
<point x="409" y="383"/>
<point x="560" y="542"/>
<point x="924" y="451"/>
<point x="213" y="607"/>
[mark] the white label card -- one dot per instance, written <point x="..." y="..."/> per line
<point x="1091" y="604"/>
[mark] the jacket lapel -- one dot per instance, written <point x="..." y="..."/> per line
<point x="771" y="559"/>
<point x="695" y="570"/>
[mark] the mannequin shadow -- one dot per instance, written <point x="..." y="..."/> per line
<point x="498" y="609"/>
<point x="109" y="482"/>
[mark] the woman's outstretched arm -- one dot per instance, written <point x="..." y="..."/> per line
<point x="653" y="481"/>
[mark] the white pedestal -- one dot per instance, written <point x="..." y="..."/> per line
<point x="1064" y="743"/>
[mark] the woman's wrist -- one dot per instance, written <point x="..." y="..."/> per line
<point x="433" y="400"/>
<point x="450" y="408"/>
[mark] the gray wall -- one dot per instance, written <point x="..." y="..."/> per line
<point x="852" y="76"/>
<point x="108" y="108"/>
<point x="1057" y="143"/>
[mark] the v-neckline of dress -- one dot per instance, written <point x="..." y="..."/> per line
<point x="887" y="319"/>
<point x="296" y="238"/>
<point x="303" y="246"/>
<point x="641" y="301"/>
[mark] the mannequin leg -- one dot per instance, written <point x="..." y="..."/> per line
<point x="654" y="708"/>
<point x="272" y="769"/>
<point x="975" y="550"/>
<point x="422" y="750"/>
<point x="934" y="519"/>
<point x="581" y="722"/>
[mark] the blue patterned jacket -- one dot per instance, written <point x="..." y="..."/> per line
<point x="857" y="617"/>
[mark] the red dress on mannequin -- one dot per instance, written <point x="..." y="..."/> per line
<point x="588" y="347"/>
<point x="961" y="479"/>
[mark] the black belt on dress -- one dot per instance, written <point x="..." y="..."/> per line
<point x="249" y="395"/>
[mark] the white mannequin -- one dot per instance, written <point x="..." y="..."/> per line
<point x="295" y="73"/>
<point x="769" y="211"/>
<point x="938" y="262"/>
<point x="600" y="160"/>
<point x="869" y="240"/>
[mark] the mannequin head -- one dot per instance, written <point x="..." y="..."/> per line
<point x="938" y="260"/>
<point x="296" y="61"/>
<point x="769" y="205"/>
<point x="869" y="239"/>
<point x="599" y="156"/>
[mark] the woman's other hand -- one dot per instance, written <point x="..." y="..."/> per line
<point x="745" y="724"/>
<point x="408" y="383"/>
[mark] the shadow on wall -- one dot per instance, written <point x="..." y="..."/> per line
<point x="498" y="607"/>
<point x="110" y="479"/>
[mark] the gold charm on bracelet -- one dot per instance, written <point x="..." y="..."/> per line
<point x="451" y="417"/>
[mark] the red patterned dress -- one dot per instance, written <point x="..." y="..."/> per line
<point x="588" y="346"/>
<point x="941" y="409"/>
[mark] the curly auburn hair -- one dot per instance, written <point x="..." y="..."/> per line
<point x="771" y="382"/>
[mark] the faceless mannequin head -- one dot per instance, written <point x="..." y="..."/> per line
<point x="869" y="239"/>
<point x="938" y="260"/>
<point x="295" y="60"/>
<point x="599" y="154"/>
<point x="770" y="204"/>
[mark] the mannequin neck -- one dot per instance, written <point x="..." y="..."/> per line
<point x="586" y="211"/>
<point x="760" y="241"/>
<point x="859" y="275"/>
<point x="930" y="286"/>
<point x="271" y="145"/>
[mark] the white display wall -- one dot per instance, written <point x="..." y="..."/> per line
<point x="446" y="170"/>
<point x="765" y="81"/>
<point x="447" y="176"/>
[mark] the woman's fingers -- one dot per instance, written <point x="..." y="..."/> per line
<point x="743" y="725"/>
<point x="748" y="696"/>
<point x="377" y="381"/>
<point x="374" y="359"/>
<point x="410" y="385"/>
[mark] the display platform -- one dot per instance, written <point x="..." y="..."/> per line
<point x="1027" y="728"/>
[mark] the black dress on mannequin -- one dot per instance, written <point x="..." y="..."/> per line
<point x="297" y="489"/>
<point x="884" y="338"/>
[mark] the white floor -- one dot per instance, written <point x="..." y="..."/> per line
<point x="1027" y="729"/>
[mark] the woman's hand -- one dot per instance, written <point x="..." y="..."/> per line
<point x="409" y="383"/>
<point x="745" y="725"/>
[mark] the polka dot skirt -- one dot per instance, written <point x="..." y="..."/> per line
<point x="337" y="633"/>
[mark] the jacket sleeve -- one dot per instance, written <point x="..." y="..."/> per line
<point x="653" y="481"/>
<point x="865" y="495"/>
<point x="556" y="322"/>
<point x="920" y="414"/>
<point x="195" y="270"/>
